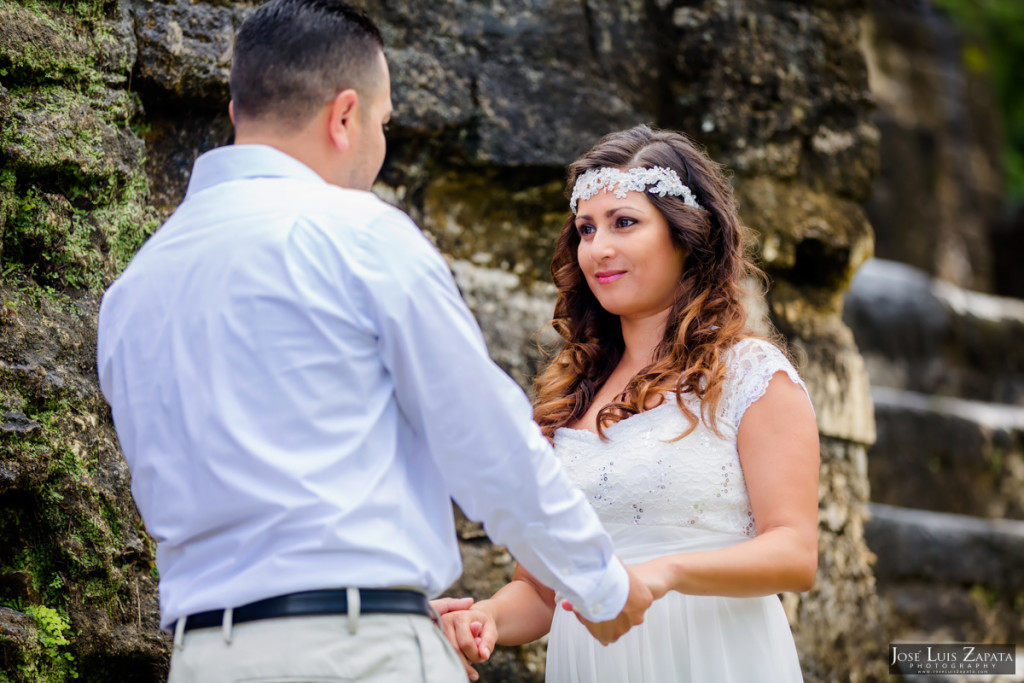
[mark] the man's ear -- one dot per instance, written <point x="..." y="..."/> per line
<point x="342" y="118"/>
<point x="231" y="112"/>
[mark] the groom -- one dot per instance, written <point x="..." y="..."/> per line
<point x="299" y="391"/>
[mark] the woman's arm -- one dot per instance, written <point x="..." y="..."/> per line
<point x="779" y="453"/>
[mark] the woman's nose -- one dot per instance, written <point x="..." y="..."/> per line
<point x="601" y="247"/>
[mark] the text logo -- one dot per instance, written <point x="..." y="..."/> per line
<point x="951" y="658"/>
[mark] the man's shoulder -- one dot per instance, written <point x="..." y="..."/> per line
<point x="352" y="211"/>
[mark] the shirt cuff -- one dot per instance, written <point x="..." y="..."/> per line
<point x="608" y="598"/>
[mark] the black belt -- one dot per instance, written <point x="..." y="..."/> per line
<point x="317" y="603"/>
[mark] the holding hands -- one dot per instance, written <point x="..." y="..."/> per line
<point x="638" y="600"/>
<point x="526" y="607"/>
<point x="473" y="633"/>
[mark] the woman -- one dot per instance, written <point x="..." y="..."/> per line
<point x="693" y="438"/>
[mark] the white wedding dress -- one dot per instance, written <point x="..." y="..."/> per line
<point x="657" y="497"/>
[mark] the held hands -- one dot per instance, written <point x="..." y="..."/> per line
<point x="656" y="574"/>
<point x="472" y="629"/>
<point x="639" y="599"/>
<point x="472" y="632"/>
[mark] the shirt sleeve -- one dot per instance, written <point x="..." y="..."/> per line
<point x="477" y="423"/>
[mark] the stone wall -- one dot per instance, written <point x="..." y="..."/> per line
<point x="105" y="106"/>
<point x="938" y="200"/>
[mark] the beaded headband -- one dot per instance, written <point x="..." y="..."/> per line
<point x="658" y="180"/>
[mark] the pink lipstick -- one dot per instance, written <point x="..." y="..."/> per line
<point x="607" y="276"/>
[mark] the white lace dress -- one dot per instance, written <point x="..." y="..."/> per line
<point x="658" y="497"/>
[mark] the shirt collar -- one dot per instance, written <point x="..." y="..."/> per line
<point x="235" y="162"/>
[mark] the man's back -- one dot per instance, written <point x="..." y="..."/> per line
<point x="241" y="360"/>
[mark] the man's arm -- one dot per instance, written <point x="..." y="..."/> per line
<point x="478" y="426"/>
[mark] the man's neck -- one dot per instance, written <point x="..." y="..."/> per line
<point x="300" y="145"/>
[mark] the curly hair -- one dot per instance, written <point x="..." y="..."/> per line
<point x="707" y="318"/>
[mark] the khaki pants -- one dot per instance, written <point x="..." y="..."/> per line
<point x="386" y="648"/>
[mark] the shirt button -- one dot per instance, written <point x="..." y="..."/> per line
<point x="597" y="608"/>
<point x="565" y="571"/>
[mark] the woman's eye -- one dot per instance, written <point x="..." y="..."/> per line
<point x="585" y="229"/>
<point x="624" y="222"/>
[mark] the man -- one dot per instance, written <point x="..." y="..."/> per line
<point x="299" y="390"/>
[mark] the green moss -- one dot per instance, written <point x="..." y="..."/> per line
<point x="55" y="663"/>
<point x="73" y="201"/>
<point x="72" y="217"/>
<point x="46" y="48"/>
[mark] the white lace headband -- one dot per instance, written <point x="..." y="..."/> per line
<point x="658" y="180"/>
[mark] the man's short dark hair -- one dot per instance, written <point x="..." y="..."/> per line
<point x="292" y="56"/>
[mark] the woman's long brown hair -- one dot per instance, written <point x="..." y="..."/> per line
<point x="708" y="316"/>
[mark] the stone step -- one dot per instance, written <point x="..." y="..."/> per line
<point x="947" y="578"/>
<point x="943" y="548"/>
<point x="947" y="455"/>
<point x="926" y="335"/>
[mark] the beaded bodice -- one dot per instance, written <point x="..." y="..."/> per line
<point x="641" y="475"/>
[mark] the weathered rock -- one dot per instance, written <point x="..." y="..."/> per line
<point x="940" y="189"/>
<point x="73" y="192"/>
<point x="813" y="243"/>
<point x="926" y="335"/>
<point x="495" y="219"/>
<point x="925" y="442"/>
<point x="57" y="131"/>
<point x="947" y="578"/>
<point x="184" y="48"/>
<point x="830" y="647"/>
<point x="946" y="548"/>
<point x="777" y="89"/>
<point x="1007" y="246"/>
<point x="512" y="318"/>
<point x="18" y="423"/>
<point x="67" y="522"/>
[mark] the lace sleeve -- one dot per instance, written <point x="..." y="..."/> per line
<point x="752" y="364"/>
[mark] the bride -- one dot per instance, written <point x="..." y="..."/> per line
<point x="692" y="437"/>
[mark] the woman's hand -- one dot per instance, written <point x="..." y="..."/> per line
<point x="656" y="574"/>
<point x="473" y="633"/>
<point x="445" y="605"/>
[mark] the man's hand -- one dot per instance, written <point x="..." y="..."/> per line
<point x="637" y="602"/>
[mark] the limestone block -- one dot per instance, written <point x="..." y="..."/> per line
<point x="940" y="186"/>
<point x="812" y="243"/>
<point x="926" y="335"/>
<point x="836" y="624"/>
<point x="427" y="95"/>
<point x="947" y="548"/>
<point x="809" y="238"/>
<point x="948" y="455"/>
<point x="774" y="87"/>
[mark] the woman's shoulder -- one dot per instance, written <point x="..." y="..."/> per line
<point x="753" y="353"/>
<point x="752" y="363"/>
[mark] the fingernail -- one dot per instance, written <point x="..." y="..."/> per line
<point x="485" y="653"/>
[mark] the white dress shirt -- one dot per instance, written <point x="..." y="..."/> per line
<point x="299" y="389"/>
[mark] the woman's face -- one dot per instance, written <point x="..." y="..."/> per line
<point x="627" y="255"/>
